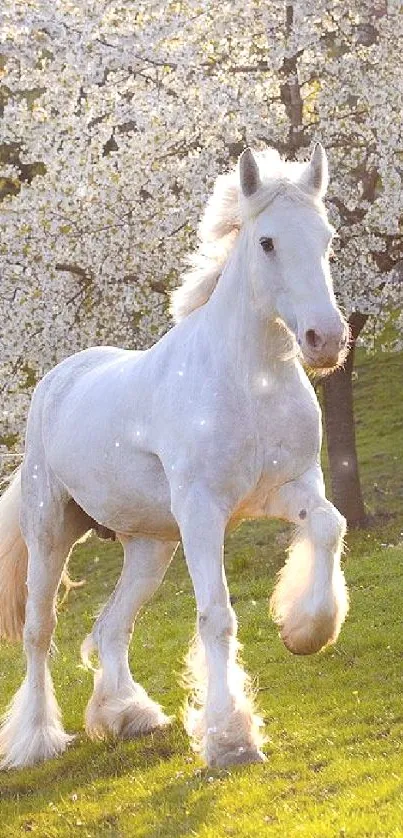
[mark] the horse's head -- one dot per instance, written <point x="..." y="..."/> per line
<point x="289" y="239"/>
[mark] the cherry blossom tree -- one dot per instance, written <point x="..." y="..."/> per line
<point x="116" y="119"/>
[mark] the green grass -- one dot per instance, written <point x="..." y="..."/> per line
<point x="335" y="721"/>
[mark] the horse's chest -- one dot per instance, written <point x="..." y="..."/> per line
<point x="288" y="444"/>
<point x="290" y="437"/>
<point x="294" y="433"/>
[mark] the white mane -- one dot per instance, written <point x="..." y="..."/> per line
<point x="221" y="222"/>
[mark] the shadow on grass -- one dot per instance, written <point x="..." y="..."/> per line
<point x="42" y="799"/>
<point x="87" y="760"/>
<point x="177" y="807"/>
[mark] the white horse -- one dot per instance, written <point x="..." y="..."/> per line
<point x="215" y="423"/>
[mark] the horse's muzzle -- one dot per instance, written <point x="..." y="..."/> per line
<point x="326" y="350"/>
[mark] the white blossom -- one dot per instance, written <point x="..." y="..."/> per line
<point x="117" y="117"/>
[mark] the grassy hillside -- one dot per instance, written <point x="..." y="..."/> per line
<point x="335" y="721"/>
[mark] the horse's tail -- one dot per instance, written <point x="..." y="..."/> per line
<point x="13" y="563"/>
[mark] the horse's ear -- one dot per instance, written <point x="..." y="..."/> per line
<point x="315" y="178"/>
<point x="248" y="173"/>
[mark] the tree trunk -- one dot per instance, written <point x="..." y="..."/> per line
<point x="340" y="434"/>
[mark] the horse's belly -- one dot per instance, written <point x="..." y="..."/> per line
<point x="132" y="497"/>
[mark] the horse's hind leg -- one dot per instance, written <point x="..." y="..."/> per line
<point x="32" y="730"/>
<point x="118" y="705"/>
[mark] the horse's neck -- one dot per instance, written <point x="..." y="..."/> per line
<point x="251" y="341"/>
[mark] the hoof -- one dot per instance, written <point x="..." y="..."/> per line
<point x="44" y="745"/>
<point x="239" y="756"/>
<point x="132" y="730"/>
<point x="309" y="635"/>
<point x="125" y="718"/>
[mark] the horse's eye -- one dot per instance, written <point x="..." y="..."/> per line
<point x="267" y="244"/>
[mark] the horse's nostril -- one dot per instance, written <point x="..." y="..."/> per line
<point x="313" y="339"/>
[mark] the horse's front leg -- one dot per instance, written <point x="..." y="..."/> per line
<point x="221" y="720"/>
<point x="310" y="601"/>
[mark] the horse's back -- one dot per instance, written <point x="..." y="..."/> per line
<point x="96" y="358"/>
<point x="59" y="383"/>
